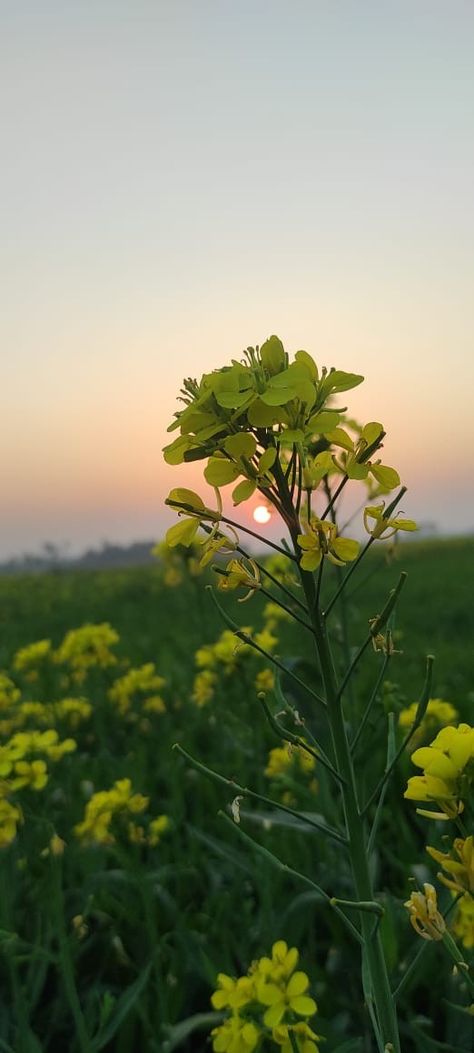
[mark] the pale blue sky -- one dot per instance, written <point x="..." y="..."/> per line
<point x="180" y="179"/>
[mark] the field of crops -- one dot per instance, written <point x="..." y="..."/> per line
<point x="130" y="878"/>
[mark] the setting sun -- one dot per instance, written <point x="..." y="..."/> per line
<point x="261" y="514"/>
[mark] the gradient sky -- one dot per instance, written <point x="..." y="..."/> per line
<point x="181" y="179"/>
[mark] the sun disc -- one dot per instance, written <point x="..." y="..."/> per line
<point x="261" y="514"/>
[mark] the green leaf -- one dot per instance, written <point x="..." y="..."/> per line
<point x="337" y="380"/>
<point x="219" y="471"/>
<point x="182" y="533"/>
<point x="291" y="435"/>
<point x="323" y="422"/>
<point x="295" y="374"/>
<point x="387" y="477"/>
<point x="182" y="496"/>
<point x="278" y="396"/>
<point x="267" y="459"/>
<point x="241" y="445"/>
<point x="261" y="416"/>
<point x="339" y="437"/>
<point x="306" y="392"/>
<point x="273" y="356"/>
<point x="232" y="399"/>
<point x="122" y="1008"/>
<point x="371" y="432"/>
<point x="243" y="491"/>
<point x="174" y="453"/>
<point x="356" y="471"/>
<point x="304" y="359"/>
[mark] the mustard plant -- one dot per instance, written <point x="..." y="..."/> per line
<point x="274" y="427"/>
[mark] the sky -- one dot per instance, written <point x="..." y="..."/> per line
<point x="181" y="178"/>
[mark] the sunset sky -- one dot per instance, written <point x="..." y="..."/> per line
<point x="181" y="178"/>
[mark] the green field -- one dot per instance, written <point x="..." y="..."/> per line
<point x="117" y="946"/>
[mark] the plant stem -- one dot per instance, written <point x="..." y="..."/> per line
<point x="385" y="1020"/>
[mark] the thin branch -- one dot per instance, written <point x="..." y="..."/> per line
<point x="284" y="868"/>
<point x="244" y="791"/>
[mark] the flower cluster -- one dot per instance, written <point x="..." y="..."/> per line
<point x="225" y="655"/>
<point x="448" y="771"/>
<point x="266" y="1004"/>
<point x="86" y="648"/>
<point x="113" y="811"/>
<point x="23" y="766"/>
<point x="143" y="684"/>
<point x="28" y="659"/>
<point x="262" y="420"/>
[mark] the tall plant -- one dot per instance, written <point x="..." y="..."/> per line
<point x="275" y="427"/>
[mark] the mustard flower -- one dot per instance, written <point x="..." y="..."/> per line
<point x="157" y="827"/>
<point x="306" y="1038"/>
<point x="86" y="647"/>
<point x="233" y="993"/>
<point x="33" y="774"/>
<point x="104" y="806"/>
<point x="285" y="996"/>
<point x="460" y="871"/>
<point x="463" y="927"/>
<point x="136" y="683"/>
<point x="204" y="687"/>
<point x="265" y="681"/>
<point x="321" y="540"/>
<point x="237" y="575"/>
<point x="10" y="817"/>
<point x="424" y="914"/>
<point x="447" y="771"/>
<point x="235" y="1035"/>
<point x="438" y="714"/>
<point x="282" y="759"/>
<point x="9" y="693"/>
<point x="34" y="654"/>
<point x="380" y="528"/>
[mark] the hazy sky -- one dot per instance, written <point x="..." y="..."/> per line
<point x="181" y="179"/>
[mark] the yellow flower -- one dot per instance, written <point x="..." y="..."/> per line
<point x="104" y="806"/>
<point x="29" y="773"/>
<point x="32" y="655"/>
<point x="203" y="687"/>
<point x="238" y="576"/>
<point x="144" y="680"/>
<point x="438" y="714"/>
<point x="87" y="647"/>
<point x="265" y="680"/>
<point x="424" y="914"/>
<point x="384" y="528"/>
<point x="461" y="870"/>
<point x="156" y="828"/>
<point x="446" y="778"/>
<point x="321" y="540"/>
<point x="463" y="926"/>
<point x="10" y="816"/>
<point x="9" y="693"/>
<point x="232" y="993"/>
<point x="286" y="996"/>
<point x="306" y="1038"/>
<point x="235" y="1036"/>
<point x="282" y="758"/>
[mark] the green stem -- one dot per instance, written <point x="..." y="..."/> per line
<point x="374" y="956"/>
<point x="244" y="791"/>
<point x="280" y="865"/>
